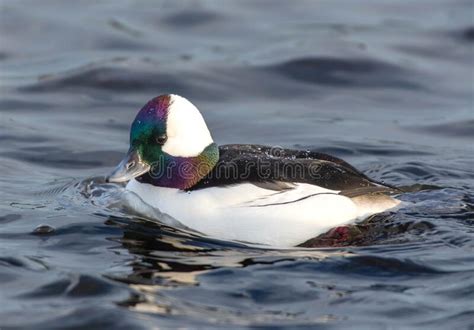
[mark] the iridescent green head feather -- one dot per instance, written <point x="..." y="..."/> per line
<point x="148" y="131"/>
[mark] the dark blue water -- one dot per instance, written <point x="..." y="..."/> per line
<point x="386" y="85"/>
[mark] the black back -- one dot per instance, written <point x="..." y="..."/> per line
<point x="277" y="168"/>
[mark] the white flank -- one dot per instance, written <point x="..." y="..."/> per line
<point x="242" y="212"/>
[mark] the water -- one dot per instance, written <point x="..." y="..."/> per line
<point x="386" y="85"/>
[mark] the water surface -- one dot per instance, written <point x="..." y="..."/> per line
<point x="386" y="85"/>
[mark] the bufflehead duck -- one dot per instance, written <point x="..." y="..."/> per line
<point x="249" y="193"/>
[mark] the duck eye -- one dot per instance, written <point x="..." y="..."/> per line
<point x="161" y="139"/>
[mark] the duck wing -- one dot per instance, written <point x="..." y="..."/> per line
<point x="279" y="169"/>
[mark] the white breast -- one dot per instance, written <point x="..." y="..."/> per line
<point x="248" y="213"/>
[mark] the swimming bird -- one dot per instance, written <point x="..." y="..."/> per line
<point x="242" y="192"/>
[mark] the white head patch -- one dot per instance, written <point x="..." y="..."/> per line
<point x="187" y="131"/>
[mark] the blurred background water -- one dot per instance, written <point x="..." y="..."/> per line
<point x="386" y="85"/>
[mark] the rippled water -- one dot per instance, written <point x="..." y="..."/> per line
<point x="386" y="85"/>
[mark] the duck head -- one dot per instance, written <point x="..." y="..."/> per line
<point x="170" y="145"/>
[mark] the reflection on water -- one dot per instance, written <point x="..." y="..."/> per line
<point x="378" y="84"/>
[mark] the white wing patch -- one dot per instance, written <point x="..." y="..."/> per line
<point x="299" y="192"/>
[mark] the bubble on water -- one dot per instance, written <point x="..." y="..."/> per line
<point x="44" y="229"/>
